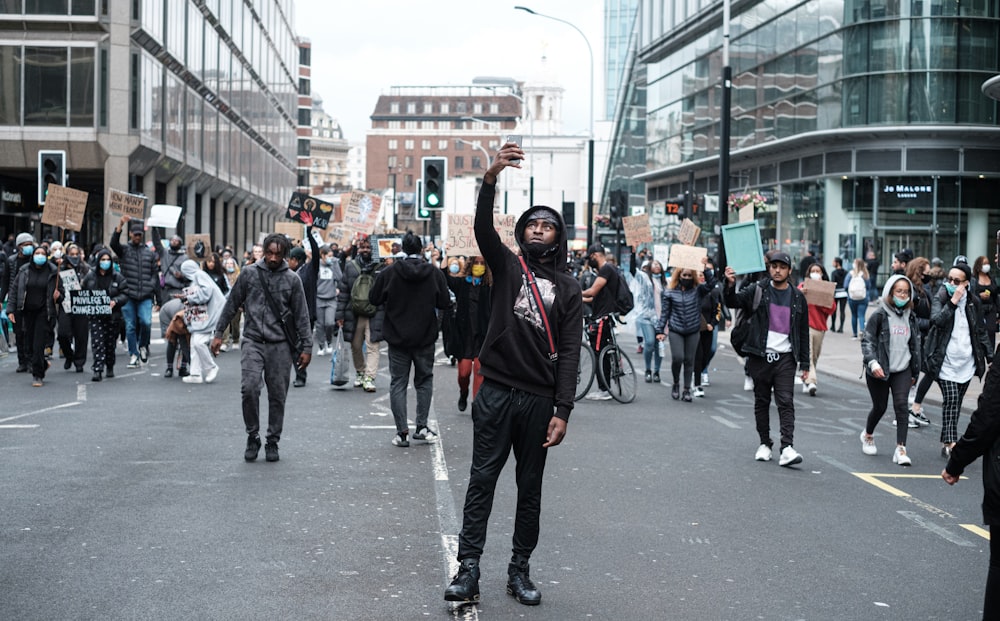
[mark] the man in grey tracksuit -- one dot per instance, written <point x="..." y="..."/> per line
<point x="266" y="352"/>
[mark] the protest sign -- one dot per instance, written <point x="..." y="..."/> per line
<point x="687" y="257"/>
<point x="689" y="232"/>
<point x="125" y="204"/>
<point x="382" y="247"/>
<point x="361" y="212"/>
<point x="291" y="230"/>
<point x="70" y="282"/>
<point x="164" y="215"/>
<point x="309" y="211"/>
<point x="199" y="246"/>
<point x="637" y="230"/>
<point x="64" y="207"/>
<point x="819" y="292"/>
<point x="461" y="238"/>
<point x="743" y="248"/>
<point x="89" y="302"/>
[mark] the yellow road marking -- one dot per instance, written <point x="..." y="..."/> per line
<point x="979" y="530"/>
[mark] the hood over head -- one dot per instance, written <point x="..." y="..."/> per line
<point x="102" y="253"/>
<point x="891" y="281"/>
<point x="189" y="268"/>
<point x="543" y="212"/>
<point x="414" y="268"/>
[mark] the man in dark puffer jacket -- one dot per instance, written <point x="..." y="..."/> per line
<point x="140" y="266"/>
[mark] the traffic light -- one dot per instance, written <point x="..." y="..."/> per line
<point x="435" y="175"/>
<point x="51" y="169"/>
<point x="421" y="212"/>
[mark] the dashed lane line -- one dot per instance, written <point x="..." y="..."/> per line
<point x="41" y="411"/>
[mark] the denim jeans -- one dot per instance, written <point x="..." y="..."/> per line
<point x="650" y="353"/>
<point x="858" y="310"/>
<point x="141" y="312"/>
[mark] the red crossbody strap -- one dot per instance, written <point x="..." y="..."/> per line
<point x="541" y="307"/>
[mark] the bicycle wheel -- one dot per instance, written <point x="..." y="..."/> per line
<point x="584" y="371"/>
<point x="618" y="373"/>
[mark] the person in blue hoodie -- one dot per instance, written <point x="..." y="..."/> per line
<point x="411" y="290"/>
<point x="529" y="361"/>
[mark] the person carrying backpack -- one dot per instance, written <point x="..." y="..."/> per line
<point x="856" y="282"/>
<point x="603" y="297"/>
<point x="361" y="320"/>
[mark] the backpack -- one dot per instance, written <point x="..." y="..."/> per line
<point x="360" y="304"/>
<point x="624" y="302"/>
<point x="741" y="327"/>
<point x="858" y="288"/>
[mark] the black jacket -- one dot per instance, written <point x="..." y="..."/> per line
<point x="353" y="269"/>
<point x="517" y="352"/>
<point x="111" y="282"/>
<point x="18" y="289"/>
<point x="756" y="343"/>
<point x="982" y="437"/>
<point x="14" y="263"/>
<point x="309" y="273"/>
<point x="471" y="318"/>
<point x="942" y="323"/>
<point x="875" y="342"/>
<point x="410" y="290"/>
<point x="681" y="308"/>
<point x="140" y="266"/>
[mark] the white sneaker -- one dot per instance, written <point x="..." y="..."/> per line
<point x="747" y="383"/>
<point x="698" y="391"/>
<point x="704" y="379"/>
<point x="763" y="453"/>
<point x="868" y="444"/>
<point x="599" y="395"/>
<point x="910" y="424"/>
<point x="789" y="457"/>
<point x="224" y="347"/>
<point x="900" y="457"/>
<point x="805" y="387"/>
<point x="321" y="351"/>
<point x="811" y="389"/>
<point x="211" y="375"/>
<point x="798" y="380"/>
<point x="193" y="379"/>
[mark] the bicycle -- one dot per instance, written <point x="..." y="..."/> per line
<point x="614" y="366"/>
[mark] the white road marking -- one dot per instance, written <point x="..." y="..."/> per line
<point x="81" y="392"/>
<point x="18" y="426"/>
<point x="938" y="530"/>
<point x="726" y="422"/>
<point x="41" y="411"/>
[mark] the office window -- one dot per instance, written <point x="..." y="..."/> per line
<point x="10" y="74"/>
<point x="45" y="75"/>
<point x="393" y="144"/>
<point x="82" y="85"/>
<point x="477" y="108"/>
<point x="408" y="161"/>
<point x="444" y="108"/>
<point x="408" y="144"/>
<point x="494" y="108"/>
<point x="425" y="145"/>
<point x="428" y="107"/>
<point x="411" y="107"/>
<point x="442" y="145"/>
<point x="459" y="162"/>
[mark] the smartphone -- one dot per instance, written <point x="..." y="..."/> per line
<point x="516" y="139"/>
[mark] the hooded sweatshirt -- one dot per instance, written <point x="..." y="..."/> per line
<point x="410" y="290"/>
<point x="516" y="351"/>
<point x="898" y="322"/>
<point x="203" y="292"/>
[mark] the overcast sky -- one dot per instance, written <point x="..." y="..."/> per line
<point x="362" y="48"/>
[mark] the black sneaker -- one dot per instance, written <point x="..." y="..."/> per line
<point x="68" y="364"/>
<point x="144" y="354"/>
<point x="463" y="401"/>
<point x="519" y="583"/>
<point x="97" y="377"/>
<point x="168" y="373"/>
<point x="656" y="377"/>
<point x="110" y="372"/>
<point x="649" y="377"/>
<point x="21" y="368"/>
<point x="675" y="392"/>
<point x="465" y="586"/>
<point x="299" y="382"/>
<point x="253" y="447"/>
<point x="183" y="372"/>
<point x="686" y="396"/>
<point x="271" y="451"/>
<point x="400" y="440"/>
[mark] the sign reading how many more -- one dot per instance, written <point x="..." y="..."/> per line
<point x="125" y="204"/>
<point x="88" y="302"/>
<point x="461" y="239"/>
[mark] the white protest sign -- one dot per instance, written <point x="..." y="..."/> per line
<point x="164" y="215"/>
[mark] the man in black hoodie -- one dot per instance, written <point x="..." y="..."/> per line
<point x="529" y="362"/>
<point x="410" y="290"/>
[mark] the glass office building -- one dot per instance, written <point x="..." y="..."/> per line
<point x="862" y="122"/>
<point x="190" y="102"/>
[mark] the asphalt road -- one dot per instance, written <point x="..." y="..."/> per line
<point x="130" y="499"/>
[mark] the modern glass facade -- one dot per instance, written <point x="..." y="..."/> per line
<point x="832" y="103"/>
<point x="198" y="109"/>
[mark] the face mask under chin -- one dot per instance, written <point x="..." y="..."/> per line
<point x="540" y="251"/>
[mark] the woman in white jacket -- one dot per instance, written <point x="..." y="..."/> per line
<point x="203" y="302"/>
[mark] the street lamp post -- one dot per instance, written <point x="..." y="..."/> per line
<point x="590" y="143"/>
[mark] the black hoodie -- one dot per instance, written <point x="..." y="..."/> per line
<point x="516" y="349"/>
<point x="410" y="289"/>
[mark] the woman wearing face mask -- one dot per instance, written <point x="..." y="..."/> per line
<point x="891" y="348"/>
<point x="918" y="271"/>
<point x="104" y="329"/>
<point x="213" y="267"/>
<point x="819" y="319"/>
<point x="231" y="338"/>
<point x="73" y="329"/>
<point x="957" y="348"/>
<point x="326" y="301"/>
<point x="985" y="288"/>
<point x="33" y="296"/>
<point x="471" y="286"/>
<point x="647" y="311"/>
<point x="680" y="321"/>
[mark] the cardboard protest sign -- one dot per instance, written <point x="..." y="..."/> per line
<point x="687" y="257"/>
<point x="461" y="238"/>
<point x="70" y="282"/>
<point x="819" y="292"/>
<point x="199" y="246"/>
<point x="291" y="230"/>
<point x="361" y="212"/>
<point x="689" y="232"/>
<point x="743" y="248"/>
<point x="637" y="230"/>
<point x="90" y="303"/>
<point x="125" y="204"/>
<point x="382" y="247"/>
<point x="64" y="207"/>
<point x="164" y="215"/>
<point x="309" y="211"/>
